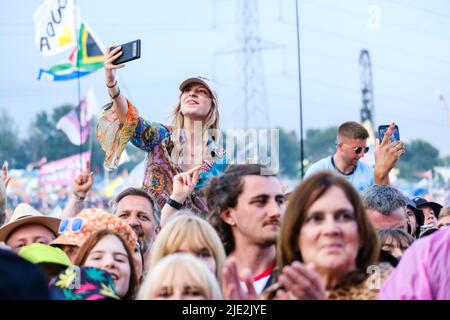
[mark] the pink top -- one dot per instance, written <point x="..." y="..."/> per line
<point x="423" y="271"/>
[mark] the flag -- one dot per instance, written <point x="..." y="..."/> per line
<point x="76" y="128"/>
<point x="90" y="55"/>
<point x="86" y="58"/>
<point x="61" y="172"/>
<point x="54" y="22"/>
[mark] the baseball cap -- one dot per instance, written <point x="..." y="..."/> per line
<point x="26" y="214"/>
<point x="76" y="231"/>
<point x="421" y="202"/>
<point x="42" y="253"/>
<point x="199" y="79"/>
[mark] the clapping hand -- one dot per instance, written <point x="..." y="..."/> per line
<point x="232" y="284"/>
<point x="300" y="282"/>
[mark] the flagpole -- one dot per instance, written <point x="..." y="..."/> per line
<point x="302" y="169"/>
<point x="78" y="81"/>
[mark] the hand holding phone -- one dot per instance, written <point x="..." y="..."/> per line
<point x="130" y="51"/>
<point x="395" y="136"/>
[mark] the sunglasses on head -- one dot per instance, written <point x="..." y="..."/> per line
<point x="73" y="225"/>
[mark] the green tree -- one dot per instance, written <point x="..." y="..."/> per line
<point x="289" y="153"/>
<point x="320" y="143"/>
<point x="420" y="156"/>
<point x="11" y="149"/>
<point x="45" y="139"/>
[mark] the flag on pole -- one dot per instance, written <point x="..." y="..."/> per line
<point x="88" y="53"/>
<point x="54" y="22"/>
<point x="72" y="126"/>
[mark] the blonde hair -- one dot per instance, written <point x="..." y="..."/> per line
<point x="183" y="227"/>
<point x="191" y="267"/>
<point x="444" y="212"/>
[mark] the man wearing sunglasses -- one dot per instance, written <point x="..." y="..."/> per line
<point x="351" y="147"/>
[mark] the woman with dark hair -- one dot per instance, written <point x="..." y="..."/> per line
<point x="327" y="248"/>
<point x="107" y="250"/>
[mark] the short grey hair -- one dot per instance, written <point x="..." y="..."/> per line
<point x="384" y="199"/>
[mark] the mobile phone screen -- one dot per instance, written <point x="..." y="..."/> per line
<point x="382" y="131"/>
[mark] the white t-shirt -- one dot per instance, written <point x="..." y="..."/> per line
<point x="361" y="177"/>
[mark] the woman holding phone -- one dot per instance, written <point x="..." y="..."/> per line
<point x="189" y="141"/>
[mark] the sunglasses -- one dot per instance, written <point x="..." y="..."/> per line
<point x="358" y="150"/>
<point x="73" y="225"/>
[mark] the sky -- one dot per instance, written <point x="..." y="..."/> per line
<point x="408" y="42"/>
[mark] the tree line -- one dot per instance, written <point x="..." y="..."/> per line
<point x="42" y="139"/>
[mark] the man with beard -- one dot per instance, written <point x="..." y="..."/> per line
<point x="245" y="206"/>
<point x="137" y="208"/>
<point x="351" y="147"/>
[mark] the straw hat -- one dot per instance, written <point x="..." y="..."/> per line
<point x="26" y="214"/>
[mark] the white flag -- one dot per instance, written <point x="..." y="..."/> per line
<point x="54" y="22"/>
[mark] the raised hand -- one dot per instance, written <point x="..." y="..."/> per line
<point x="184" y="184"/>
<point x="110" y="68"/>
<point x="5" y="177"/>
<point x="387" y="153"/>
<point x="83" y="182"/>
<point x="232" y="285"/>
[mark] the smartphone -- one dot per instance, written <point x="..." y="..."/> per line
<point x="130" y="51"/>
<point x="382" y="130"/>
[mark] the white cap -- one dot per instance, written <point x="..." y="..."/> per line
<point x="202" y="80"/>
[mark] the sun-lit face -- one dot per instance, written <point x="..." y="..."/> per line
<point x="195" y="101"/>
<point x="329" y="235"/>
<point x="28" y="234"/>
<point x="109" y="254"/>
<point x="200" y="251"/>
<point x="429" y="216"/>
<point x="137" y="212"/>
<point x="256" y="217"/>
<point x="351" y="150"/>
<point x="181" y="286"/>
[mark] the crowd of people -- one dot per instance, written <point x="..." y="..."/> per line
<point x="201" y="227"/>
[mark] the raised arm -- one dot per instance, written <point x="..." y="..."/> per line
<point x="119" y="101"/>
<point x="80" y="187"/>
<point x="387" y="153"/>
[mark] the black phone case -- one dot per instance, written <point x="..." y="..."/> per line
<point x="131" y="51"/>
